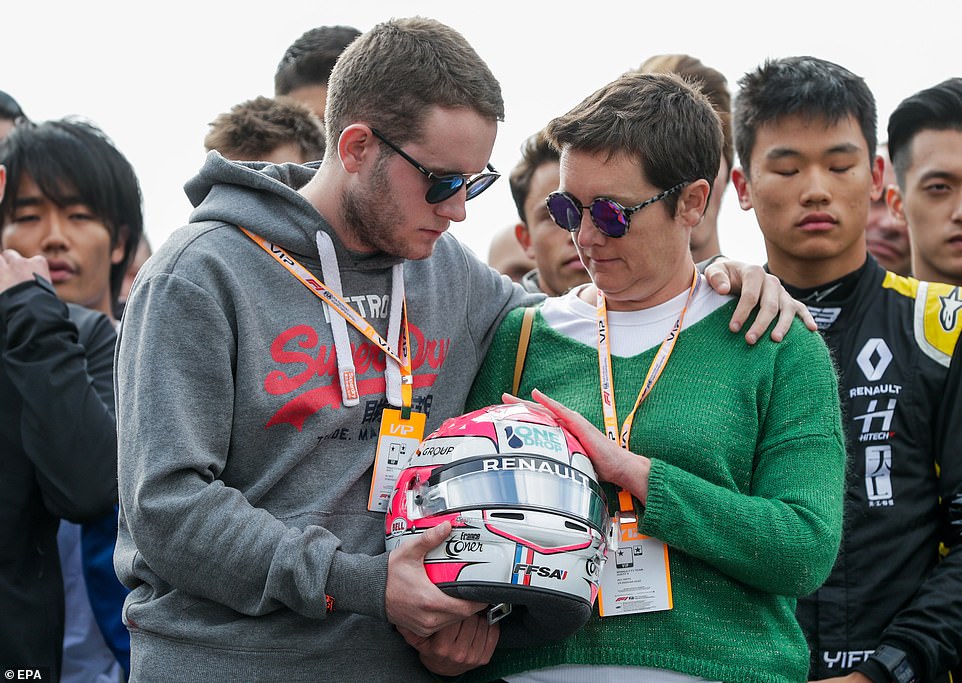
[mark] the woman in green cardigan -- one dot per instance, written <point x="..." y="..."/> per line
<point x="725" y="461"/>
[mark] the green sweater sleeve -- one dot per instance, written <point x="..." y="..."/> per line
<point x="782" y="535"/>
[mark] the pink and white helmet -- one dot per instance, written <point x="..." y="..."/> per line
<point x="530" y="523"/>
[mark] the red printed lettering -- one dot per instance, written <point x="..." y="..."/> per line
<point x="302" y="359"/>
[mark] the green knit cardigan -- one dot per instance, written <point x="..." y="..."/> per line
<point x="746" y="489"/>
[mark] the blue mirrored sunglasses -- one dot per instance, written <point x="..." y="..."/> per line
<point x="444" y="186"/>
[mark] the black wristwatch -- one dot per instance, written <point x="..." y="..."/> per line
<point x="896" y="663"/>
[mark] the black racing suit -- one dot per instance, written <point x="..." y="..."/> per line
<point x="58" y="458"/>
<point x="898" y="577"/>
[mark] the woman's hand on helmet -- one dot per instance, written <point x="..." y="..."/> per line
<point x="612" y="463"/>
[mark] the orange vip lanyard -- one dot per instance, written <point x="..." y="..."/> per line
<point x="348" y="381"/>
<point x="622" y="437"/>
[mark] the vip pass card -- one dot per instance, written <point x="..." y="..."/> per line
<point x="636" y="577"/>
<point x="396" y="443"/>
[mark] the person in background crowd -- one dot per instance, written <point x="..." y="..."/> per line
<point x="143" y="253"/>
<point x="886" y="234"/>
<point x="891" y="610"/>
<point x="72" y="217"/>
<point x="263" y="129"/>
<point x="10" y="114"/>
<point x="532" y="179"/>
<point x="306" y="66"/>
<point x="925" y="142"/>
<point x="506" y="255"/>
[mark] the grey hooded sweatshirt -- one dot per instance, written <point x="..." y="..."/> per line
<point x="244" y="530"/>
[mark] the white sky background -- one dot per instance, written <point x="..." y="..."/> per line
<point x="153" y="75"/>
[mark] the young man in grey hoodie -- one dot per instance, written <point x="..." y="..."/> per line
<point x="249" y="416"/>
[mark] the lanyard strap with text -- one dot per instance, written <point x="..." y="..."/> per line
<point x="658" y="364"/>
<point x="346" y="311"/>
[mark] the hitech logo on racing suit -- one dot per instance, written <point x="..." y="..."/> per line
<point x="884" y="416"/>
<point x="878" y="458"/>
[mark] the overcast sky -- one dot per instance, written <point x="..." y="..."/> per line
<point x="153" y="75"/>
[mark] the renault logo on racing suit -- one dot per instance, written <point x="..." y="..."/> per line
<point x="874" y="359"/>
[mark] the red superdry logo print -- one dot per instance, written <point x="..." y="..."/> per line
<point x="310" y="368"/>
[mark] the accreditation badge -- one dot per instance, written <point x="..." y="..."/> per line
<point x="635" y="577"/>
<point x="396" y="443"/>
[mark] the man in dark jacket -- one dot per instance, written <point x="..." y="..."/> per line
<point x="891" y="610"/>
<point x="70" y="223"/>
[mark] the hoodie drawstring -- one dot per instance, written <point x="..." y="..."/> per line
<point x="342" y="344"/>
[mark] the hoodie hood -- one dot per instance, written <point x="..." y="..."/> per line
<point x="264" y="199"/>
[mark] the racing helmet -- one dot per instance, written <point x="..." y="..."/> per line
<point x="530" y="525"/>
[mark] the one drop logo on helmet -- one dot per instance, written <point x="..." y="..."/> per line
<point x="533" y="439"/>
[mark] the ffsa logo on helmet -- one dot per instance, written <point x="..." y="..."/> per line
<point x="539" y="570"/>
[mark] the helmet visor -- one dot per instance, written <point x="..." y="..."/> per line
<point x="517" y="481"/>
